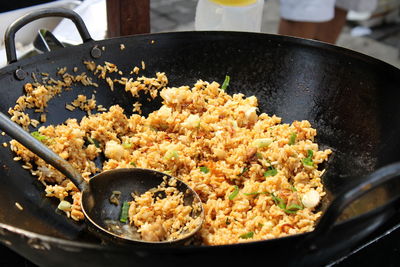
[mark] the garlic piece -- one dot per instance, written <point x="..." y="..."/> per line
<point x="114" y="150"/>
<point x="193" y="121"/>
<point x="311" y="199"/>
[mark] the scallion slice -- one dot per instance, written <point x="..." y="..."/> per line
<point x="225" y="84"/>
<point x="247" y="235"/>
<point x="262" y="142"/>
<point x="126" y="145"/>
<point x="124" y="212"/>
<point x="271" y="172"/>
<point x="292" y="138"/>
<point x="234" y="193"/>
<point x="255" y="193"/>
<point x="308" y="160"/>
<point x="171" y="154"/>
<point x="204" y="169"/>
<point x="39" y="136"/>
<point x="294" y="207"/>
<point x="93" y="141"/>
<point x="278" y="201"/>
<point x="243" y="171"/>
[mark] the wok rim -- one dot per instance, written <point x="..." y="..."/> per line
<point x="126" y="247"/>
<point x="273" y="37"/>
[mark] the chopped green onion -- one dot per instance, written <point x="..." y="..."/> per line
<point x="243" y="171"/>
<point x="126" y="145"/>
<point x="260" y="225"/>
<point x="124" y="212"/>
<point x="278" y="201"/>
<point x="255" y="193"/>
<point x="234" y="193"/>
<point x="271" y="172"/>
<point x="262" y="142"/>
<point x="259" y="155"/>
<point x="294" y="207"/>
<point x="204" y="169"/>
<point x="308" y="161"/>
<point x="247" y="235"/>
<point x="171" y="154"/>
<point x="290" y="211"/>
<point x="292" y="138"/>
<point x="251" y="193"/>
<point x="225" y="84"/>
<point x="93" y="141"/>
<point x="133" y="164"/>
<point x="64" y="205"/>
<point x="39" y="136"/>
<point x="293" y="188"/>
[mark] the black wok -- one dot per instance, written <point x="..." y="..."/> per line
<point x="351" y="99"/>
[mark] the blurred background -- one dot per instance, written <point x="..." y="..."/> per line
<point x="375" y="33"/>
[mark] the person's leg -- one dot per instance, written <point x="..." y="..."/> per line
<point x="329" y="31"/>
<point x="298" y="28"/>
<point x="301" y="17"/>
<point x="323" y="31"/>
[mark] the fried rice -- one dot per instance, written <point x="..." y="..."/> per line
<point x="160" y="214"/>
<point x="257" y="178"/>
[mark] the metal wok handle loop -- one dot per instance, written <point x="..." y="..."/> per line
<point x="320" y="244"/>
<point x="369" y="183"/>
<point x="9" y="37"/>
<point x="320" y="236"/>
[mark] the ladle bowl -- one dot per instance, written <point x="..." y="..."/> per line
<point x="101" y="212"/>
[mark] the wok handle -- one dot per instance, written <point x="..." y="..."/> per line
<point x="34" y="145"/>
<point x="352" y="193"/>
<point x="9" y="37"/>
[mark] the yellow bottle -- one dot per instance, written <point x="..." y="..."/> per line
<point x="229" y="15"/>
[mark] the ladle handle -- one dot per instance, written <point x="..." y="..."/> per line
<point x="34" y="145"/>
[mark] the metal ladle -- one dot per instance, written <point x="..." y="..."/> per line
<point x="95" y="200"/>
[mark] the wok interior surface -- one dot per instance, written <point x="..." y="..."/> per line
<point x="349" y="98"/>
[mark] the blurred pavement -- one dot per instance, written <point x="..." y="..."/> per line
<point x="178" y="15"/>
